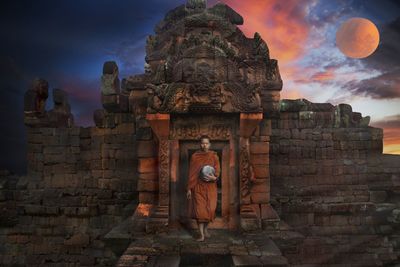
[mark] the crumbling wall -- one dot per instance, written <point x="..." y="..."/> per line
<point x="330" y="181"/>
<point x="79" y="181"/>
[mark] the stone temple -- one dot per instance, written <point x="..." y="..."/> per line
<point x="302" y="183"/>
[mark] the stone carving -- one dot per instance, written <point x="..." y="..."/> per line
<point x="203" y="97"/>
<point x="110" y="84"/>
<point x="112" y="98"/>
<point x="244" y="99"/>
<point x="273" y="74"/>
<point x="167" y="98"/>
<point x="220" y="130"/>
<point x="199" y="61"/>
<point x="197" y="5"/>
<point x="246" y="170"/>
<point x="194" y="128"/>
<point x="60" y="115"/>
<point x="260" y="48"/>
<point x="35" y="98"/>
<point x="186" y="131"/>
<point x="35" y="102"/>
<point x="164" y="166"/>
<point x="226" y="12"/>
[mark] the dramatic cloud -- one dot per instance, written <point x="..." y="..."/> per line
<point x="389" y="122"/>
<point x="67" y="43"/>
<point x="286" y="29"/>
<point x="386" y="85"/>
<point x="283" y="25"/>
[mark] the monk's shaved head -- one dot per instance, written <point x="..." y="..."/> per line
<point x="205" y="143"/>
<point x="205" y="137"/>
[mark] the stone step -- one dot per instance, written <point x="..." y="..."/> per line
<point x="162" y="261"/>
<point x="120" y="236"/>
<point x="267" y="261"/>
<point x="132" y="260"/>
<point x="274" y="261"/>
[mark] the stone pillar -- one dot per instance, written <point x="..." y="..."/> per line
<point x="249" y="219"/>
<point x="159" y="216"/>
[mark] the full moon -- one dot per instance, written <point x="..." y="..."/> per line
<point x="357" y="38"/>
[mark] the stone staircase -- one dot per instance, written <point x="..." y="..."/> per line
<point x="224" y="248"/>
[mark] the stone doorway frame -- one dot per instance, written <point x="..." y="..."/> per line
<point x="168" y="162"/>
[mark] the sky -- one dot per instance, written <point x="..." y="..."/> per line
<point x="67" y="42"/>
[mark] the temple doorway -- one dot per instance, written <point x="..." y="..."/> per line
<point x="227" y="206"/>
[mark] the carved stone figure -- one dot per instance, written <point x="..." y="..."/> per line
<point x="110" y="84"/>
<point x="35" y="98"/>
<point x="60" y="115"/>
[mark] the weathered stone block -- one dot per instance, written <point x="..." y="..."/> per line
<point x="245" y="260"/>
<point x="147" y="185"/>
<point x="260" y="198"/>
<point x="147" y="197"/>
<point x="259" y="159"/>
<point x="259" y="147"/>
<point x="265" y="128"/>
<point x="378" y="196"/>
<point x="260" y="186"/>
<point x="146" y="165"/>
<point x="149" y="176"/>
<point x="104" y="183"/>
<point x="339" y="220"/>
<point x="261" y="171"/>
<point x="80" y="240"/>
<point x="267" y="212"/>
<point x="144" y="133"/>
<point x="146" y="149"/>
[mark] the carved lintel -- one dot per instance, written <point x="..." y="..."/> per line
<point x="194" y="127"/>
<point x="248" y="122"/>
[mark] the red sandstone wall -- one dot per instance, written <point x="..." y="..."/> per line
<point x="259" y="157"/>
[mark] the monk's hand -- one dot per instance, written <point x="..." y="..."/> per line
<point x="189" y="194"/>
<point x="211" y="178"/>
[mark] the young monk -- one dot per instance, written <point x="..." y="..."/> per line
<point x="203" y="192"/>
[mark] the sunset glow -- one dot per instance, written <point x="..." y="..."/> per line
<point x="294" y="39"/>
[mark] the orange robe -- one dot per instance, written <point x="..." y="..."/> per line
<point x="204" y="194"/>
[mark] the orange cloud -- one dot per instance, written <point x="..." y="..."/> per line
<point x="323" y="76"/>
<point x="284" y="27"/>
<point x="391" y="136"/>
<point x="282" y="24"/>
<point x="391" y="141"/>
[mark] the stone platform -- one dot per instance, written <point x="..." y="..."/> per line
<point x="223" y="248"/>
